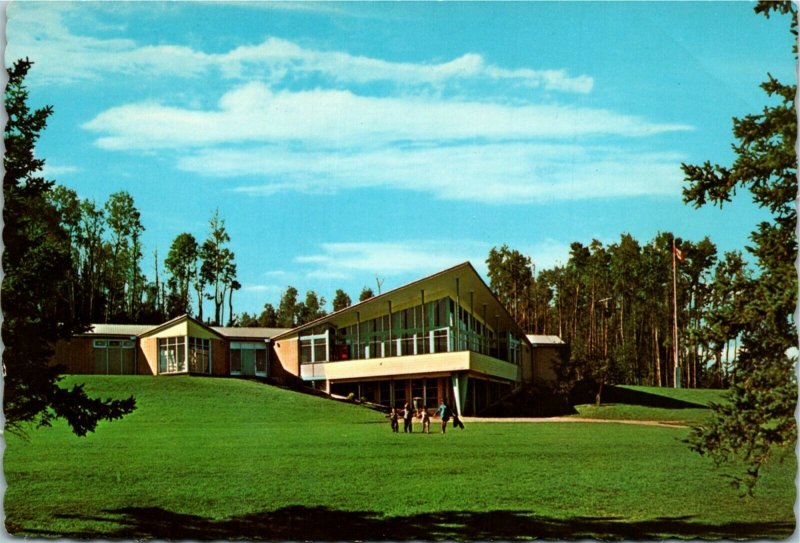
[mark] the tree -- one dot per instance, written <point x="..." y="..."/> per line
<point x="268" y="317"/>
<point x="68" y="206"/>
<point x="246" y="320"/>
<point x="181" y="264"/>
<point x="511" y="278"/>
<point x="311" y="309"/>
<point x="92" y="258"/>
<point x="366" y="294"/>
<point x="287" y="316"/>
<point x="35" y="287"/>
<point x="218" y="268"/>
<point x="759" y="416"/>
<point x="341" y="300"/>
<point x="124" y="223"/>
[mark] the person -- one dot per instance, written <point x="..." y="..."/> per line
<point x="457" y="420"/>
<point x="393" y="418"/>
<point x="408" y="414"/>
<point x="426" y="421"/>
<point x="444" y="412"/>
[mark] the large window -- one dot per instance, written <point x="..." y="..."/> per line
<point x="316" y="347"/>
<point x="438" y="326"/>
<point x="114" y="356"/>
<point x="249" y="358"/>
<point x="172" y="354"/>
<point x="199" y="355"/>
<point x="181" y="354"/>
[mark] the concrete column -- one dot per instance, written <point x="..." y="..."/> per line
<point x="459" y="383"/>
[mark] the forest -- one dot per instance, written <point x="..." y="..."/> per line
<point x="614" y="304"/>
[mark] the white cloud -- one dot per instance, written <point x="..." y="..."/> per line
<point x="490" y="173"/>
<point x="255" y="113"/>
<point x="324" y="141"/>
<point x="261" y="288"/>
<point x="53" y="171"/>
<point x="276" y="54"/>
<point x="42" y="32"/>
<point x="346" y="260"/>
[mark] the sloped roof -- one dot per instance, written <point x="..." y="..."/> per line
<point x="177" y="320"/>
<point x="111" y="329"/>
<point x="442" y="281"/>
<point x="119" y="329"/>
<point x="249" y="333"/>
<point x="545" y="340"/>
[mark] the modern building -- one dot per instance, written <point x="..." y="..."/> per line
<point x="182" y="345"/>
<point x="443" y="338"/>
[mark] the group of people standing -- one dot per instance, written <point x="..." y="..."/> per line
<point x="408" y="413"/>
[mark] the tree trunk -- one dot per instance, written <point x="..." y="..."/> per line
<point x="598" y="396"/>
<point x="657" y="357"/>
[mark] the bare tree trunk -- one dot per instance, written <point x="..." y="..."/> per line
<point x="657" y="357"/>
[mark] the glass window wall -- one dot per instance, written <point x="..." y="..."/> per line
<point x="114" y="357"/>
<point x="172" y="354"/>
<point x="439" y="326"/>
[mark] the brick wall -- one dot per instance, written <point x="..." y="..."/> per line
<point x="76" y="355"/>
<point x="147" y="356"/>
<point x="220" y="357"/>
<point x="284" y="360"/>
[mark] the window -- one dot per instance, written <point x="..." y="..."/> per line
<point x="199" y="355"/>
<point x="249" y="358"/>
<point x="440" y="340"/>
<point x="171" y="354"/>
<point x="114" y="357"/>
<point x="314" y="348"/>
<point x="431" y="393"/>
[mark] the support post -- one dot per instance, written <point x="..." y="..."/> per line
<point x="459" y="383"/>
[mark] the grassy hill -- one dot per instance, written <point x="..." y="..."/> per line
<point x="206" y="458"/>
<point x="681" y="405"/>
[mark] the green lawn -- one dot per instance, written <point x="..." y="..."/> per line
<point x="700" y="396"/>
<point x="205" y="458"/>
<point x="642" y="403"/>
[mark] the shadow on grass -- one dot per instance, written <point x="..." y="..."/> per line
<point x="614" y="394"/>
<point x="300" y="523"/>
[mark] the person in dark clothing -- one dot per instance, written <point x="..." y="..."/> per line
<point x="393" y="417"/>
<point x="408" y="415"/>
<point x="457" y="420"/>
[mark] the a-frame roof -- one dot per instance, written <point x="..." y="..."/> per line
<point x="180" y="320"/>
<point x="461" y="280"/>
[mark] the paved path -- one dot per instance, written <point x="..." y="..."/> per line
<point x="662" y="423"/>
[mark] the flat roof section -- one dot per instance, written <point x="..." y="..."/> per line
<point x="545" y="340"/>
<point x="233" y="332"/>
<point x="119" y="329"/>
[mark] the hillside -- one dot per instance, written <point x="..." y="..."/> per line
<point x="206" y="458"/>
<point x="681" y="406"/>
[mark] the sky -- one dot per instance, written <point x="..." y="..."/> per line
<point x="346" y="143"/>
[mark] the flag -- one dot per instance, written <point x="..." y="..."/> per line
<point x="678" y="253"/>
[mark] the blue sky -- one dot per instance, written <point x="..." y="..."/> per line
<point x="345" y="141"/>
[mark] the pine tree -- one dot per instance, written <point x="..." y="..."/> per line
<point x="35" y="289"/>
<point x="758" y="418"/>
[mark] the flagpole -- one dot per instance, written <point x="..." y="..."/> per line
<point x="674" y="317"/>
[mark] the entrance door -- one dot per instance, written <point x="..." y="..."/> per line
<point x="248" y="362"/>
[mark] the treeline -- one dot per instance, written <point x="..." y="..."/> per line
<point x="105" y="278"/>
<point x="613" y="305"/>
<point x="291" y="312"/>
<point x="107" y="283"/>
